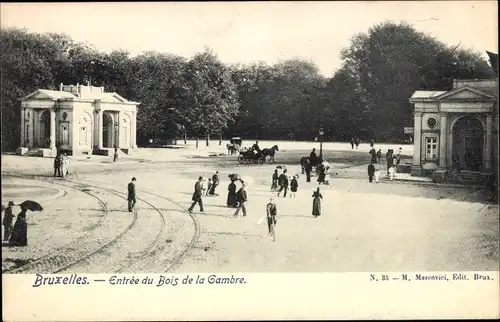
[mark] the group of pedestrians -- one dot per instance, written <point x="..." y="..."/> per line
<point x="61" y="163"/>
<point x="17" y="234"/>
<point x="374" y="169"/>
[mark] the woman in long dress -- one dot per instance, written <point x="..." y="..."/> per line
<point x="19" y="235"/>
<point x="316" y="203"/>
<point x="231" y="195"/>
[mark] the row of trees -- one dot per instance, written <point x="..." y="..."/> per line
<point x="366" y="97"/>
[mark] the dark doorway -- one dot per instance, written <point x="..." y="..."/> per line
<point x="468" y="142"/>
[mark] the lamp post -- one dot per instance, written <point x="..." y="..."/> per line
<point x="321" y="133"/>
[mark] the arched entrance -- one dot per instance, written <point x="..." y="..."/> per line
<point x="44" y="130"/>
<point x="468" y="136"/>
<point x="108" y="132"/>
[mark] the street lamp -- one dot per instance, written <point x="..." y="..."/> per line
<point x="321" y="133"/>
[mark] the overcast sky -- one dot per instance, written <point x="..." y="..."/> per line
<point x="243" y="32"/>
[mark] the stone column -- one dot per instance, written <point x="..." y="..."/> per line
<point x="30" y="128"/>
<point x="23" y="128"/>
<point x="133" y="129"/>
<point x="489" y="143"/>
<point x="417" y="148"/>
<point x="443" y="137"/>
<point x="99" y="129"/>
<point x="52" y="129"/>
<point x="118" y="129"/>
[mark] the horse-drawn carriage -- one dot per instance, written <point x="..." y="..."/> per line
<point x="253" y="155"/>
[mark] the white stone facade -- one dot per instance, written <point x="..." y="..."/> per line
<point x="456" y="128"/>
<point x="79" y="119"/>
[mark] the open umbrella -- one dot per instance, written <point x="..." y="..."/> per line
<point x="234" y="176"/>
<point x="31" y="205"/>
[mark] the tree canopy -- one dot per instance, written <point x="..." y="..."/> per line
<point x="367" y="96"/>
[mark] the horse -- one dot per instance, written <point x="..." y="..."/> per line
<point x="269" y="153"/>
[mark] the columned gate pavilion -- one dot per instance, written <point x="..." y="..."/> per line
<point x="78" y="119"/>
<point x="456" y="129"/>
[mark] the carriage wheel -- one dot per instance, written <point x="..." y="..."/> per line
<point x="241" y="159"/>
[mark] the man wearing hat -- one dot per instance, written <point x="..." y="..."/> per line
<point x="241" y="197"/>
<point x="7" y="221"/>
<point x="131" y="194"/>
<point x="197" y="195"/>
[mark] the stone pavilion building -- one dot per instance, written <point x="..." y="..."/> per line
<point x="456" y="129"/>
<point x="77" y="119"/>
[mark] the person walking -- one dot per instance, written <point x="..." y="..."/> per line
<point x="294" y="184"/>
<point x="322" y="173"/>
<point x="115" y="155"/>
<point x="209" y="186"/>
<point x="308" y="169"/>
<point x="57" y="166"/>
<point x="371" y="172"/>
<point x="316" y="211"/>
<point x="352" y="143"/>
<point x="356" y="141"/>
<point x="197" y="195"/>
<point x="373" y="154"/>
<point x="231" y="195"/>
<point x="19" y="235"/>
<point x="379" y="155"/>
<point x="274" y="184"/>
<point x="272" y="212"/>
<point x="131" y="197"/>
<point x="313" y="157"/>
<point x="241" y="197"/>
<point x="215" y="182"/>
<point x="389" y="159"/>
<point x="377" y="174"/>
<point x="283" y="182"/>
<point x="7" y="221"/>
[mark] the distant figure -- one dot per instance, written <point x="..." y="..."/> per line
<point x="294" y="184"/>
<point x="372" y="143"/>
<point x="204" y="183"/>
<point x="19" y="235"/>
<point x="322" y="173"/>
<point x="313" y="158"/>
<point x="398" y="156"/>
<point x="373" y="153"/>
<point x="356" y="141"/>
<point x="215" y="182"/>
<point x="64" y="161"/>
<point x="272" y="212"/>
<point x="241" y="197"/>
<point x="57" y="166"/>
<point x="275" y="177"/>
<point x="316" y="211"/>
<point x="308" y="169"/>
<point x="131" y="194"/>
<point x="231" y="195"/>
<point x="115" y="155"/>
<point x="7" y="221"/>
<point x="377" y="175"/>
<point x="283" y="182"/>
<point x="392" y="169"/>
<point x="197" y="195"/>
<point x="379" y="155"/>
<point x="371" y="172"/>
<point x="389" y="159"/>
<point x="352" y="143"/>
<point x="209" y="186"/>
<point x="256" y="148"/>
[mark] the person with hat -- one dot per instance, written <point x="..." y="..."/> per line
<point x="7" y="221"/>
<point x="131" y="194"/>
<point x="272" y="212"/>
<point x="294" y="184"/>
<point x="215" y="183"/>
<point x="241" y="197"/>
<point x="197" y="194"/>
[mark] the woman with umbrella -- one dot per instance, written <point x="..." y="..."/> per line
<point x="316" y="211"/>
<point x="19" y="235"/>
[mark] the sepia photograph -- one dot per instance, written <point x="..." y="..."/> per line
<point x="250" y="137"/>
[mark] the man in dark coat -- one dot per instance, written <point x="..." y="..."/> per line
<point x="283" y="182"/>
<point x="272" y="212"/>
<point x="241" y="196"/>
<point x="373" y="153"/>
<point x="371" y="172"/>
<point x="197" y="194"/>
<point x="389" y="157"/>
<point x="215" y="183"/>
<point x="308" y="169"/>
<point x="313" y="158"/>
<point x="131" y="194"/>
<point x="57" y="166"/>
<point x="7" y="221"/>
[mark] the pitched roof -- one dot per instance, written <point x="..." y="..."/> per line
<point x="55" y="95"/>
<point x="426" y="94"/>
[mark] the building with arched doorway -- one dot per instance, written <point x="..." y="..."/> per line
<point x="456" y="129"/>
<point x="77" y="119"/>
